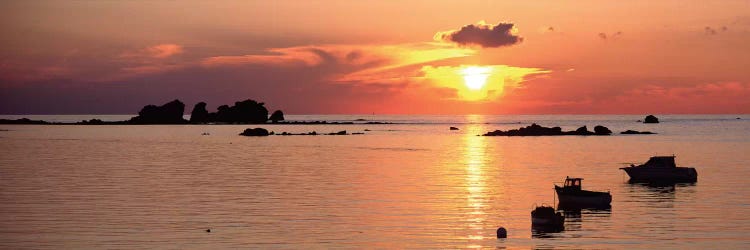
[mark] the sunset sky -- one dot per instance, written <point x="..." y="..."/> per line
<point x="383" y="57"/>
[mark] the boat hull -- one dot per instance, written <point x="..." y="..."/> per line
<point x="547" y="218"/>
<point x="555" y="224"/>
<point x="583" y="198"/>
<point x="652" y="174"/>
<point x="551" y="222"/>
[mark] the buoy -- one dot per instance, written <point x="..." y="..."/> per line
<point x="501" y="233"/>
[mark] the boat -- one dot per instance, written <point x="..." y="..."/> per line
<point x="571" y="195"/>
<point x="546" y="217"/>
<point x="659" y="169"/>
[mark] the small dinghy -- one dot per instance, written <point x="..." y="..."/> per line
<point x="545" y="217"/>
<point x="571" y="195"/>
<point x="661" y="169"/>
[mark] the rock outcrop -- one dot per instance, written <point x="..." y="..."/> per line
<point x="23" y="121"/>
<point x="277" y="116"/>
<point x="583" y="131"/>
<point x="255" y="132"/>
<point x="536" y="130"/>
<point x="634" y="132"/>
<point x="602" y="130"/>
<point x="247" y="111"/>
<point x="199" y="114"/>
<point x="244" y="112"/>
<point x="169" y="113"/>
<point x="651" y="119"/>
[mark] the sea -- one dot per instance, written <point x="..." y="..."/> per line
<point x="410" y="183"/>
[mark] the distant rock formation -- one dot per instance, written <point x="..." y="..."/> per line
<point x="92" y="122"/>
<point x="536" y="130"/>
<point x="453" y="128"/>
<point x="583" y="131"/>
<point x="634" y="132"/>
<point x="247" y="111"/>
<point x="244" y="112"/>
<point x="342" y="132"/>
<point x="277" y="116"/>
<point x="255" y="132"/>
<point x="199" y="114"/>
<point x="602" y="130"/>
<point x="651" y="119"/>
<point x="23" y="121"/>
<point x="169" y="113"/>
<point x="309" y="133"/>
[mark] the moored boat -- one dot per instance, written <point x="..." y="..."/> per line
<point x="546" y="217"/>
<point x="661" y="169"/>
<point x="572" y="195"/>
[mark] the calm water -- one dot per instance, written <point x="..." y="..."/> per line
<point x="410" y="185"/>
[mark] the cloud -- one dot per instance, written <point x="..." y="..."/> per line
<point x="277" y="56"/>
<point x="159" y="51"/>
<point x="326" y="78"/>
<point x="718" y="97"/>
<point x="482" y="35"/>
<point x="164" y="50"/>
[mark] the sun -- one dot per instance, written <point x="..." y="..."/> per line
<point x="475" y="77"/>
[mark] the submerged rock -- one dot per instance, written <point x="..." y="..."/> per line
<point x="635" y="132"/>
<point x="255" y="132"/>
<point x="651" y="119"/>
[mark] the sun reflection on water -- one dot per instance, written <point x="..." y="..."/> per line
<point x="476" y="183"/>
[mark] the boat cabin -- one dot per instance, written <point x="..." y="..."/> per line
<point x="573" y="183"/>
<point x="661" y="162"/>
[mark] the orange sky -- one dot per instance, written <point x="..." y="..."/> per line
<point x="320" y="57"/>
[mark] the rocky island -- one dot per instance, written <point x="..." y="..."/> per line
<point x="242" y="112"/>
<point x="537" y="130"/>
<point x="651" y="119"/>
<point x="635" y="132"/>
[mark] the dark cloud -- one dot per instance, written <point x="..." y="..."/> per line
<point x="481" y="34"/>
<point x="312" y="86"/>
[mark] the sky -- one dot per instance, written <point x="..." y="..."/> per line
<point x="382" y="57"/>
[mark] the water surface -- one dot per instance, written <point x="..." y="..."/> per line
<point x="414" y="184"/>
